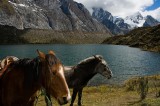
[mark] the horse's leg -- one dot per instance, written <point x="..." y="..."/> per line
<point x="73" y="96"/>
<point x="79" y="96"/>
<point x="32" y="101"/>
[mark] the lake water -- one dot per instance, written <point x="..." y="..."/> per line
<point x="125" y="62"/>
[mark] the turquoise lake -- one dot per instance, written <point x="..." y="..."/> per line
<point x="125" y="62"/>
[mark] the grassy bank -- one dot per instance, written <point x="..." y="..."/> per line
<point x="125" y="95"/>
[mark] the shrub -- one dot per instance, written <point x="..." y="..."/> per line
<point x="138" y="84"/>
<point x="130" y="85"/>
<point x="142" y="87"/>
<point x="156" y="84"/>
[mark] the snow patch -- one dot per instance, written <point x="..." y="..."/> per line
<point x="135" y="20"/>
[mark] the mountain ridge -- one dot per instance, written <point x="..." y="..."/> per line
<point x="121" y="26"/>
<point x="52" y="15"/>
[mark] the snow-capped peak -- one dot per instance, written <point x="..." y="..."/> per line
<point x="135" y="20"/>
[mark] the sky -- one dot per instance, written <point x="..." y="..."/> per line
<point x="123" y="8"/>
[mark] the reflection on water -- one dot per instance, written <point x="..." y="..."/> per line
<point x="125" y="62"/>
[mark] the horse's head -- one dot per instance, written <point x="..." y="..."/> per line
<point x="102" y="67"/>
<point x="53" y="79"/>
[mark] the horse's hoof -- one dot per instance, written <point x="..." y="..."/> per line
<point x="71" y="104"/>
<point x="79" y="104"/>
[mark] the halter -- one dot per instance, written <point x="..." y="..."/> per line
<point x="43" y="92"/>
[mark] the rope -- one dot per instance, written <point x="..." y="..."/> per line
<point x="43" y="93"/>
<point x="37" y="99"/>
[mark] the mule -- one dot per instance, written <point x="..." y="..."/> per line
<point x="78" y="76"/>
<point x="23" y="78"/>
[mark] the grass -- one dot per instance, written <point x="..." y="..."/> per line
<point x="107" y="95"/>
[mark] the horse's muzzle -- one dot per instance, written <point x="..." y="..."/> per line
<point x="63" y="100"/>
<point x="109" y="76"/>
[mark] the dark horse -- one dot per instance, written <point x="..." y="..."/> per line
<point x="23" y="78"/>
<point x="78" y="76"/>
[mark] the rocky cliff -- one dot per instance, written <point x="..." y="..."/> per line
<point x="52" y="15"/>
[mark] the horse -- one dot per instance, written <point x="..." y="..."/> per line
<point x="78" y="76"/>
<point x="23" y="78"/>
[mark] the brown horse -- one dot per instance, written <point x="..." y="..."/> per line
<point x="23" y="78"/>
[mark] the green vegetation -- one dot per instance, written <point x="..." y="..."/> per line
<point x="147" y="38"/>
<point x="127" y="95"/>
<point x="7" y="7"/>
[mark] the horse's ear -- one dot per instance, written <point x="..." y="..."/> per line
<point x="94" y="56"/>
<point x="51" y="52"/>
<point x="41" y="54"/>
<point x="99" y="58"/>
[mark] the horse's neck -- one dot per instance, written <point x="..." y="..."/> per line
<point x="86" y="73"/>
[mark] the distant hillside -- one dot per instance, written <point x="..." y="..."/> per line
<point x="12" y="35"/>
<point x="147" y="38"/>
<point x="53" y="18"/>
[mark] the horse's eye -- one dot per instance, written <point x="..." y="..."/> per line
<point x="54" y="73"/>
<point x="104" y="65"/>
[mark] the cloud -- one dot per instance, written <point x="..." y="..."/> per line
<point x="120" y="8"/>
<point x="154" y="13"/>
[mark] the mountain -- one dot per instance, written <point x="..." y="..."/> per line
<point x="107" y="19"/>
<point x="120" y="26"/>
<point x="147" y="38"/>
<point x="150" y="21"/>
<point x="53" y="15"/>
<point x="135" y="20"/>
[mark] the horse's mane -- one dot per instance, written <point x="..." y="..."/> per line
<point x="89" y="59"/>
<point x="52" y="60"/>
<point x="88" y="63"/>
<point x="31" y="68"/>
